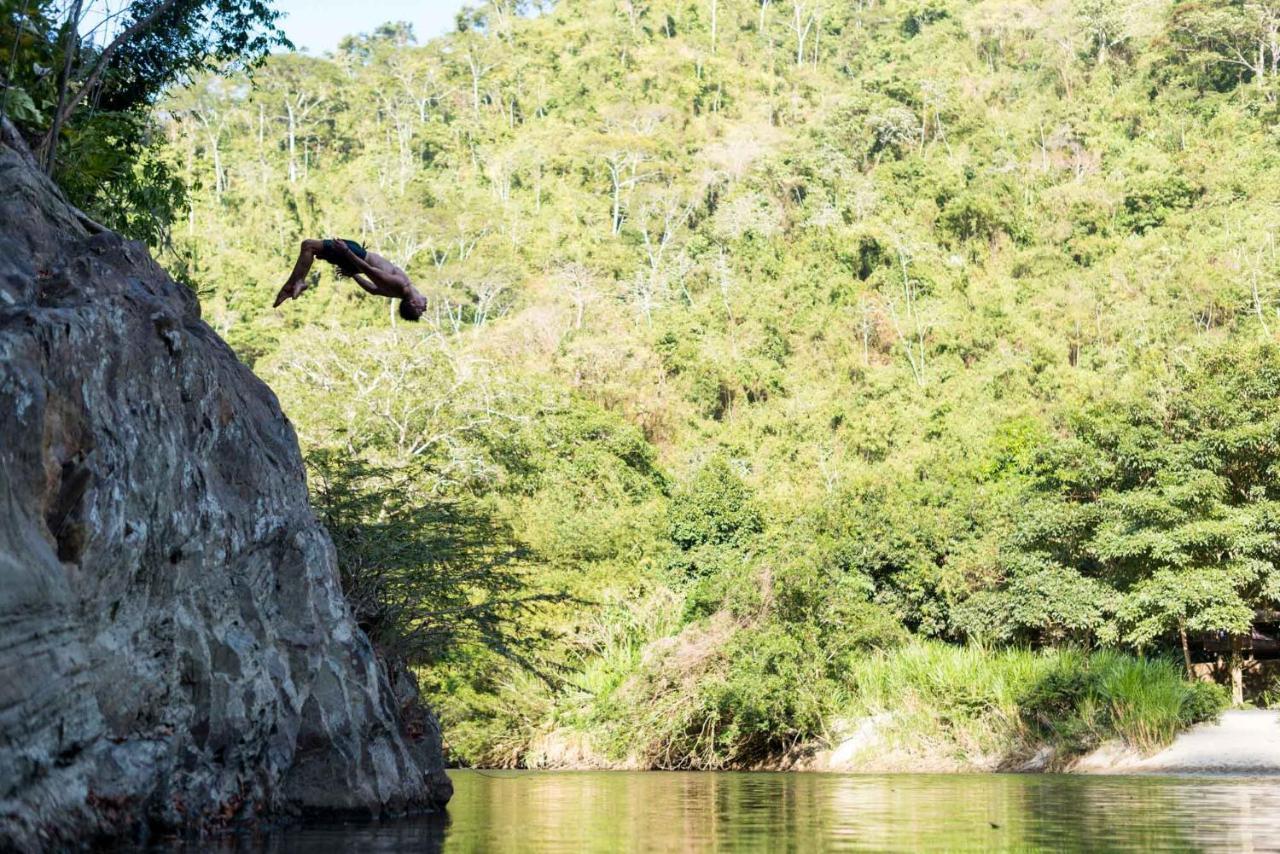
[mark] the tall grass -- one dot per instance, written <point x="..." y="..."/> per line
<point x="972" y="703"/>
<point x="1147" y="702"/>
<point x="715" y="695"/>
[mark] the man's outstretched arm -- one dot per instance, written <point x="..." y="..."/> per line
<point x="370" y="286"/>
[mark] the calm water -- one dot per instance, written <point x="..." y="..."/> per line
<point x="620" y="811"/>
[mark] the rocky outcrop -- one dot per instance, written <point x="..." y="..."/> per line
<point x="175" y="650"/>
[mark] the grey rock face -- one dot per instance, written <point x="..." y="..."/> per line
<point x="175" y="650"/>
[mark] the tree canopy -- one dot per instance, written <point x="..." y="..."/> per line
<point x="85" y="99"/>
<point x="773" y="334"/>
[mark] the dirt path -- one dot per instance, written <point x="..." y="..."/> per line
<point x="1246" y="741"/>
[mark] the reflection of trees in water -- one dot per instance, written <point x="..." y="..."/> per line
<point x="1118" y="812"/>
<point x="1234" y="815"/>
<point x="702" y="811"/>
<point x="705" y="811"/>
<point x="1165" y="814"/>
<point x="926" y="812"/>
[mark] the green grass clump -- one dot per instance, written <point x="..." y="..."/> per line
<point x="973" y="703"/>
<point x="1143" y="700"/>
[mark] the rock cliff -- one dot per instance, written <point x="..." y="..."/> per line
<point x="175" y="650"/>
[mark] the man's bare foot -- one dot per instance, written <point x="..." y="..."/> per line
<point x="291" y="290"/>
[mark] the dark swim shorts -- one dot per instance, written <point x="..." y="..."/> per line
<point x="359" y="250"/>
<point x="344" y="269"/>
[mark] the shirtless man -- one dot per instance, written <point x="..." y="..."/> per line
<point x="371" y="271"/>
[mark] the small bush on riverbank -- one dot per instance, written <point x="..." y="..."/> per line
<point x="719" y="695"/>
<point x="1145" y="702"/>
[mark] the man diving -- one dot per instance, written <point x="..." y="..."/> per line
<point x="371" y="271"/>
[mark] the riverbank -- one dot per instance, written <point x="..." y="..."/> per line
<point x="1242" y="741"/>
<point x="923" y="707"/>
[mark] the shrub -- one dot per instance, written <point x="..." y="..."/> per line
<point x="1150" y="199"/>
<point x="424" y="579"/>
<point x="1204" y="701"/>
<point x="921" y="14"/>
<point x="716" y="508"/>
<point x="1007" y="702"/>
<point x="774" y="696"/>
<point x="1144" y="700"/>
<point x="972" y="217"/>
<point x="895" y="130"/>
<point x="722" y="578"/>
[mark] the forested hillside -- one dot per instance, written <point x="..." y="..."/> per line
<point x="775" y="350"/>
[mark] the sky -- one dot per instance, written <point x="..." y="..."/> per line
<point x="318" y="25"/>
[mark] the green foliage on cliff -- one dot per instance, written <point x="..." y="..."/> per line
<point x="776" y="333"/>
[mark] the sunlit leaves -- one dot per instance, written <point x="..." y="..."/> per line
<point x="1179" y="529"/>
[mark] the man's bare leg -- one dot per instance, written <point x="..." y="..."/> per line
<point x="297" y="281"/>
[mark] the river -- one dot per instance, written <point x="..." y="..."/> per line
<point x="692" y="812"/>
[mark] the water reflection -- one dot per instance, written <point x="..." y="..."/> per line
<point x="589" y="811"/>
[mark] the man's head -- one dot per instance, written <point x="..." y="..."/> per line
<point x="412" y="307"/>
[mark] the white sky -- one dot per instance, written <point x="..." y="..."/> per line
<point x="318" y="25"/>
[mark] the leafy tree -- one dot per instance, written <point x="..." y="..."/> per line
<point x="1104" y="24"/>
<point x="922" y="13"/>
<point x="716" y="508"/>
<point x="1161" y="514"/>
<point x="392" y="34"/>
<point x="109" y="162"/>
<point x="1226" y="42"/>
<point x="426" y="581"/>
<point x="1151" y="198"/>
<point x="972" y="217"/>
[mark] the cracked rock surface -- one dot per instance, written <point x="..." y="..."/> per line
<point x="175" y="649"/>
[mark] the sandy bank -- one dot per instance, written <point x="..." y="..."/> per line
<point x="1242" y="742"/>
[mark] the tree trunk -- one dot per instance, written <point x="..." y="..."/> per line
<point x="293" y="162"/>
<point x="95" y="74"/>
<point x="615" y="177"/>
<point x="218" y="182"/>
<point x="69" y="46"/>
<point x="817" y="40"/>
<point x="1237" y="671"/>
<point x="714" y="8"/>
<point x="1186" y="647"/>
